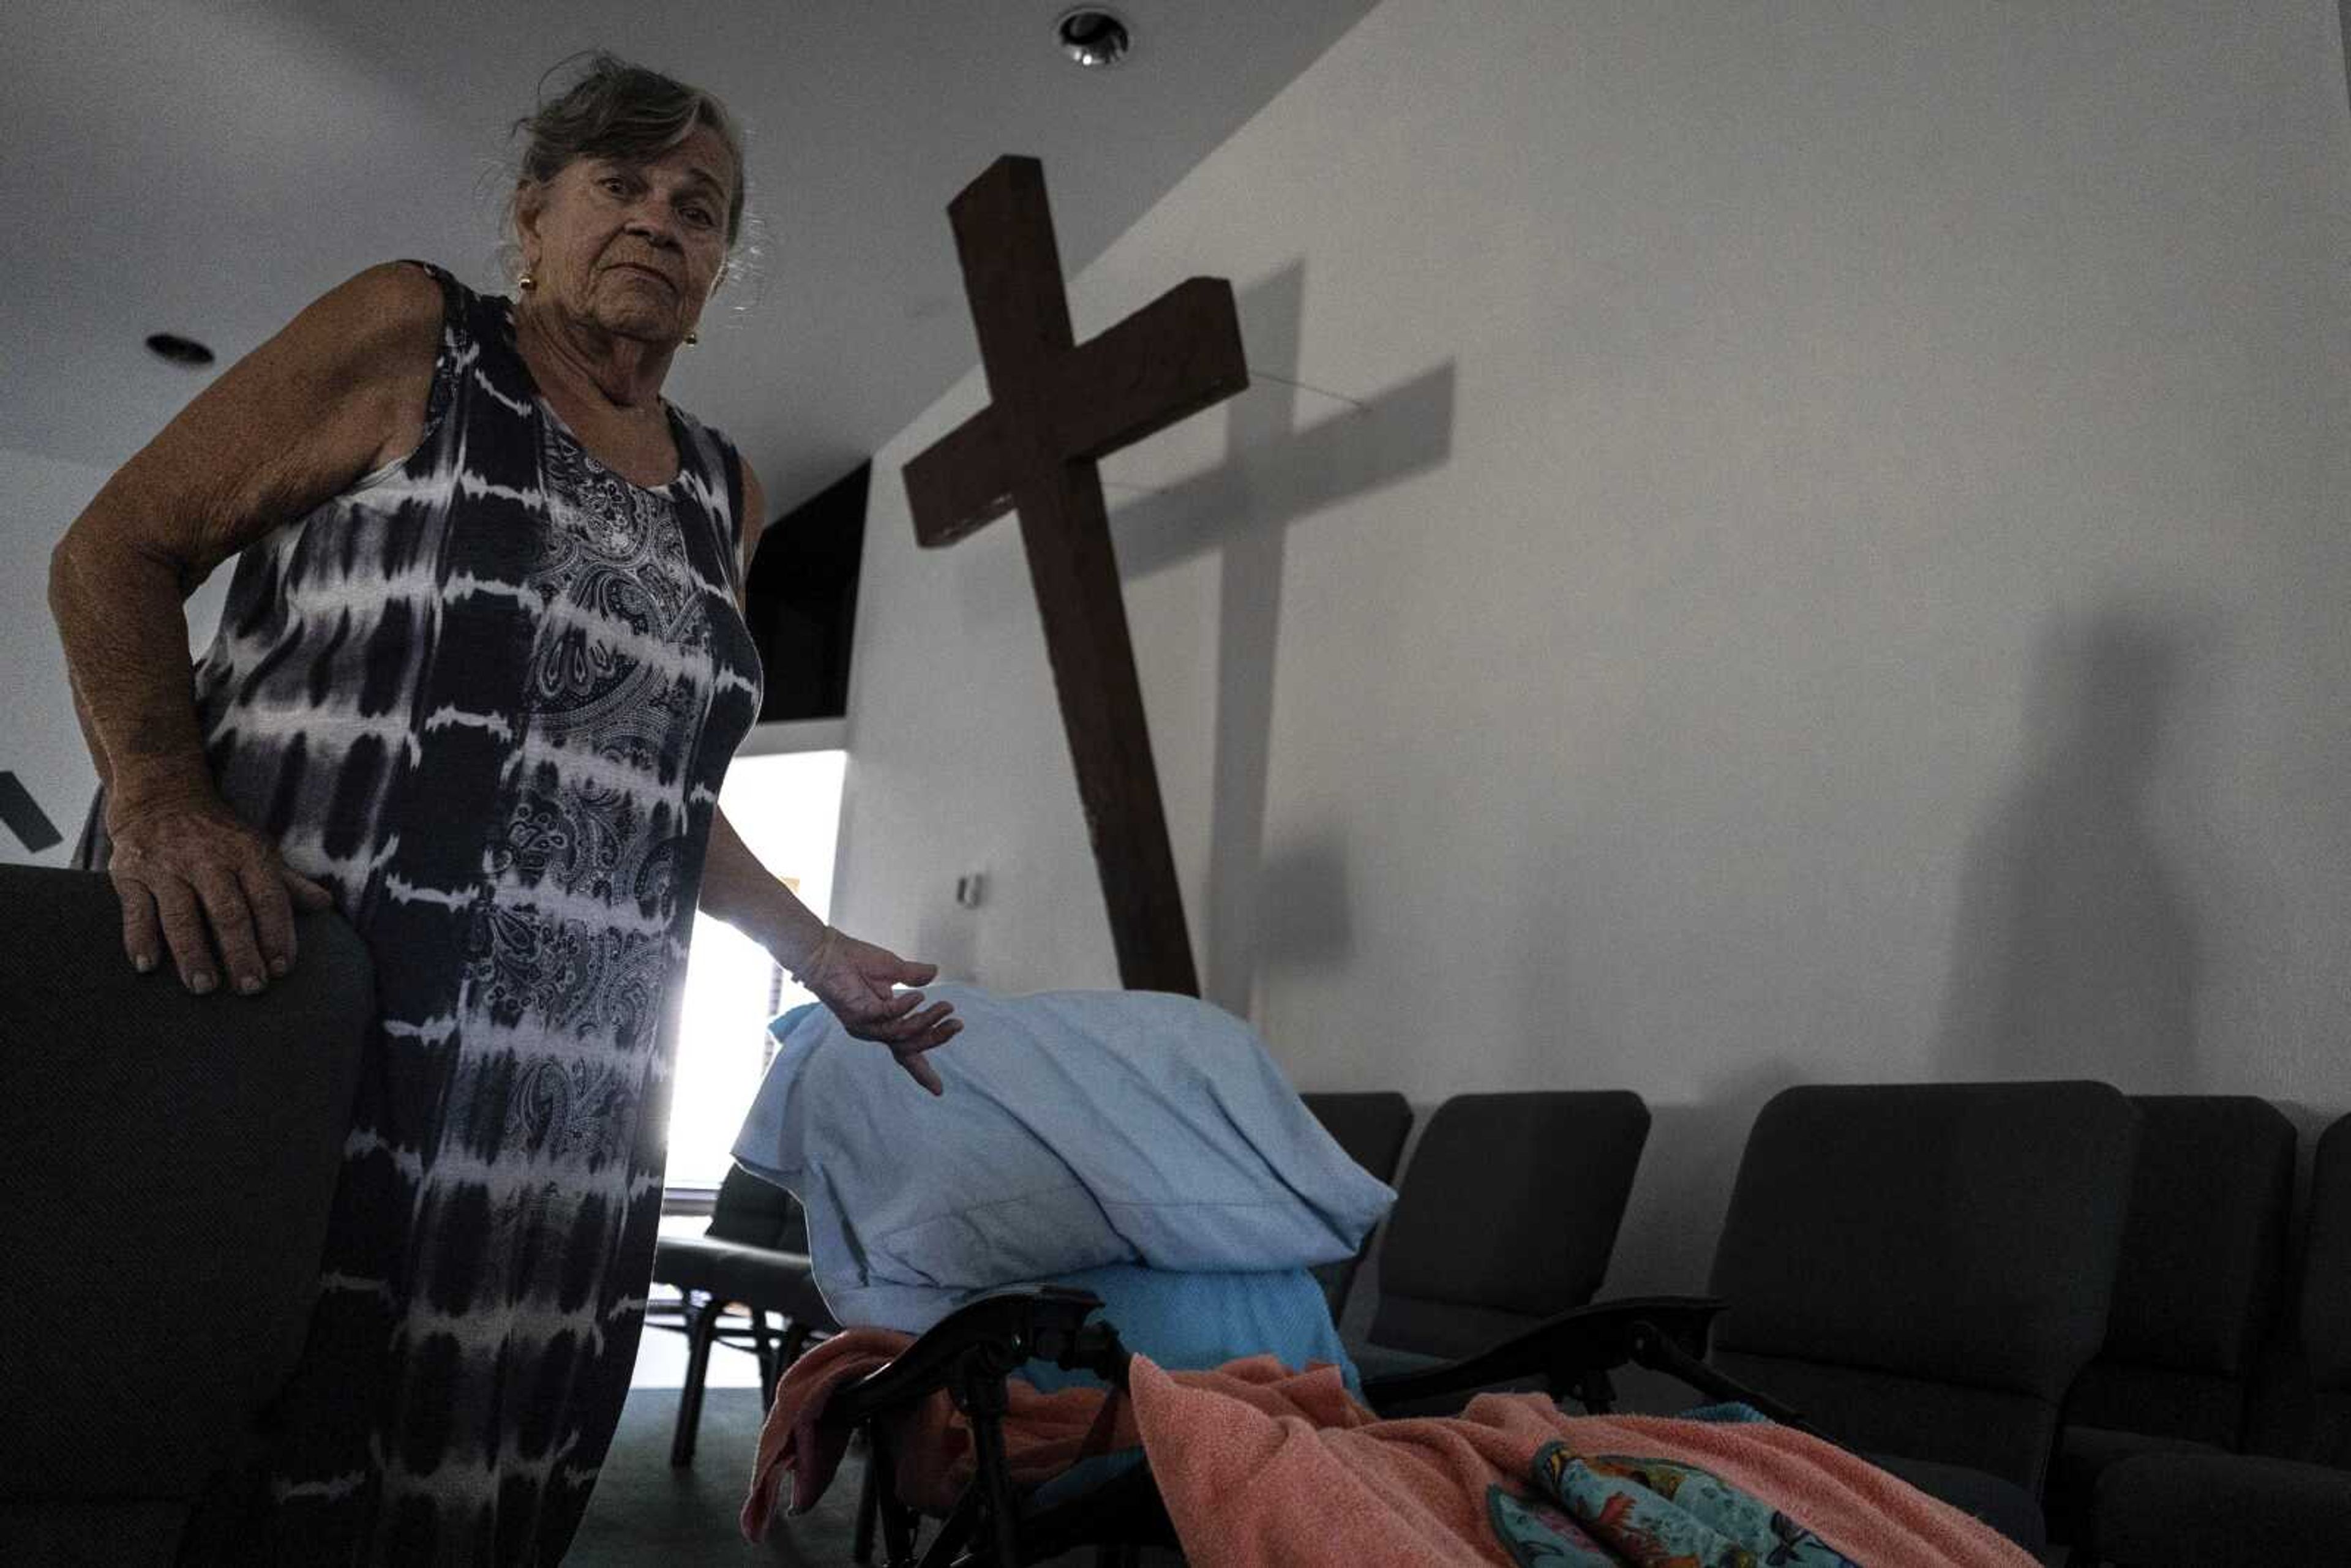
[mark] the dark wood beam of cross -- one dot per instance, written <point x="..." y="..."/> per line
<point x="1060" y="406"/>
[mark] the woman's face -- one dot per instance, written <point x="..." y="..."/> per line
<point x="633" y="249"/>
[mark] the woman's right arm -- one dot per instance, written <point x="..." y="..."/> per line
<point x="336" y="395"/>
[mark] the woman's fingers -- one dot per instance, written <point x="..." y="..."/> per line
<point x="937" y="1031"/>
<point x="857" y="980"/>
<point x="893" y="1005"/>
<point x="199" y="882"/>
<point x="910" y="1036"/>
<point x="231" y="913"/>
<point x="308" y="896"/>
<point x="929" y="1024"/>
<point x="901" y="1022"/>
<point x="933" y="1038"/>
<point x="183" y="932"/>
<point x="273" y="915"/>
<point x="143" y="933"/>
<point x="922" y="1071"/>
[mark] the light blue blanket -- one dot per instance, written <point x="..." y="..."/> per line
<point x="1078" y="1129"/>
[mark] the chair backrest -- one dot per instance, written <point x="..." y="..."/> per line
<point x="2301" y="1399"/>
<point x="1372" y="1126"/>
<point x="2202" y="1270"/>
<point x="2302" y="1394"/>
<point x="170" y="1163"/>
<point x="755" y="1213"/>
<point x="1924" y="1269"/>
<point x="2326" y="1297"/>
<point x="1506" y="1215"/>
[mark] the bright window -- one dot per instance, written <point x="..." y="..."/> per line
<point x="787" y="810"/>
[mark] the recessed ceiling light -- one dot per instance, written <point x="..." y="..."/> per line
<point x="1094" y="37"/>
<point x="179" y="351"/>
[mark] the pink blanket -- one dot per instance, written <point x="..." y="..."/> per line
<point x="1260" y="1465"/>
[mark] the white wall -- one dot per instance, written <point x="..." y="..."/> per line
<point x="39" y="741"/>
<point x="1840" y="572"/>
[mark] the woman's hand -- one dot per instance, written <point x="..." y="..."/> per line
<point x="854" y="980"/>
<point x="189" y="866"/>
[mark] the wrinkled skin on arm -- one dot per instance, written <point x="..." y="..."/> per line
<point x="340" y="391"/>
<point x="855" y="980"/>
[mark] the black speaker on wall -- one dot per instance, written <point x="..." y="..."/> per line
<point x="803" y="601"/>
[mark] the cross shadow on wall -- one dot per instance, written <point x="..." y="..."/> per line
<point x="2075" y="948"/>
<point x="1291" y="910"/>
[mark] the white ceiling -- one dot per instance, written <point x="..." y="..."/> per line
<point x="206" y="167"/>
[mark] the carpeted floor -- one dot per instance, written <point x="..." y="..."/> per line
<point x="645" y="1513"/>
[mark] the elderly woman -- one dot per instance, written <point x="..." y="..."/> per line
<point x="477" y="681"/>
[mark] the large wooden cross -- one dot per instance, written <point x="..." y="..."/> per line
<point x="1058" y="407"/>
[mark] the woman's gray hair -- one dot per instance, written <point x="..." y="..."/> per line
<point x="615" y="110"/>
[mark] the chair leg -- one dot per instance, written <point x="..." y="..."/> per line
<point x="763" y="1346"/>
<point x="869" y="1511"/>
<point x="992" y="1473"/>
<point x="701" y="1328"/>
<point x="878" y="1503"/>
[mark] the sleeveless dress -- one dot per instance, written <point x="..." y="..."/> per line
<point x="487" y="697"/>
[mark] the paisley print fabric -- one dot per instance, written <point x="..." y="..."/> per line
<point x="487" y="697"/>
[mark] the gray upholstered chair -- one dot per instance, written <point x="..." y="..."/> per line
<point x="169" y="1162"/>
<point x="754" y="1255"/>
<point x="2290" y="1500"/>
<point x="2200" y="1283"/>
<point x="1506" y="1217"/>
<point x="1372" y="1125"/>
<point x="1923" y="1270"/>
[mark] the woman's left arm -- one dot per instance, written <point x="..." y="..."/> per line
<point x="857" y="981"/>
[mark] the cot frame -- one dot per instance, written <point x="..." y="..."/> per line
<point x="970" y="1353"/>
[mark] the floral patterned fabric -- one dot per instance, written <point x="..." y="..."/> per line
<point x="1610" y="1510"/>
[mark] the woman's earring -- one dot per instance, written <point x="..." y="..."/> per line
<point x="692" y="337"/>
<point x="526" y="282"/>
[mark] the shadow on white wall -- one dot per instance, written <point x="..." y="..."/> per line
<point x="2076" y="950"/>
<point x="1275" y="474"/>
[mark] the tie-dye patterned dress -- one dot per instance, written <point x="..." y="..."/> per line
<point x="486" y="696"/>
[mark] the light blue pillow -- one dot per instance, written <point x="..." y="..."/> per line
<point x="1190" y="1323"/>
<point x="1078" y="1129"/>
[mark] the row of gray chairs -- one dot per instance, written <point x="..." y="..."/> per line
<point x="2002" y="1291"/>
